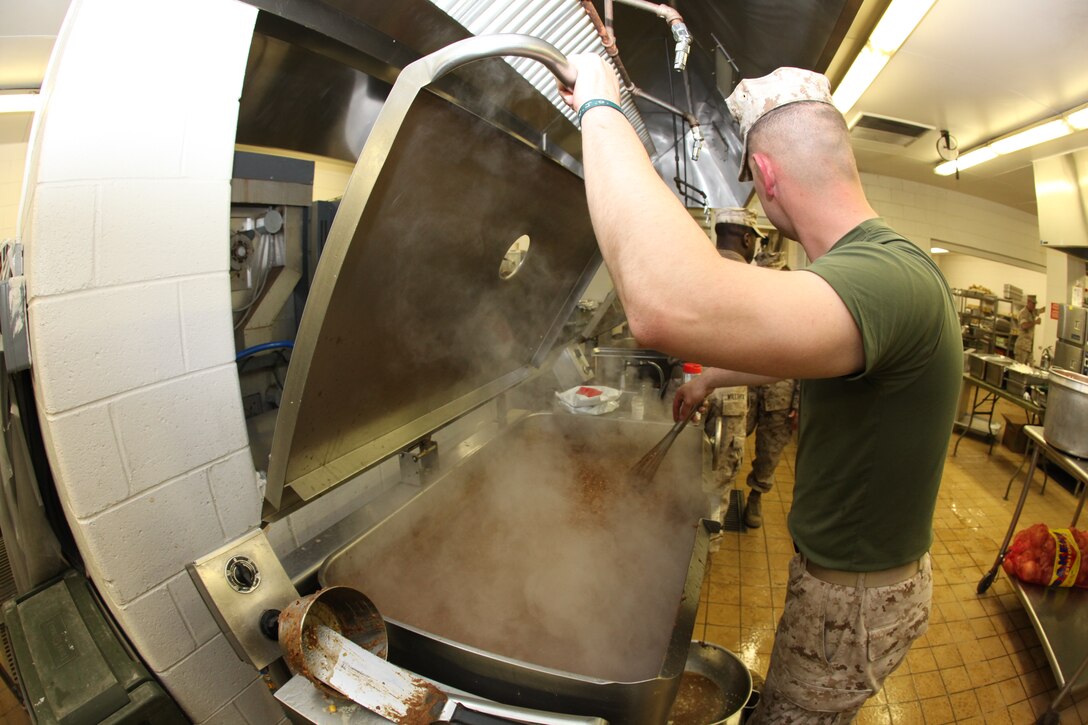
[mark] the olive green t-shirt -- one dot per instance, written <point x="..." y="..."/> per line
<point x="872" y="445"/>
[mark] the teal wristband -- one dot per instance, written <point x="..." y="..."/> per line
<point x="593" y="103"/>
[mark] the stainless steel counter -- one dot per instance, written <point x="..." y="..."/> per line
<point x="1059" y="615"/>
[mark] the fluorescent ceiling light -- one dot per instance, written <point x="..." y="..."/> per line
<point x="862" y="73"/>
<point x="1078" y="119"/>
<point x="938" y="250"/>
<point x="1053" y="128"/>
<point x="898" y="21"/>
<point x="896" y="24"/>
<point x="1032" y="136"/>
<point x="19" y="102"/>
<point x="969" y="159"/>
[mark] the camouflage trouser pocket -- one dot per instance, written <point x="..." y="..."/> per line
<point x="835" y="644"/>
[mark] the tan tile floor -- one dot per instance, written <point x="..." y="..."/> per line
<point x="980" y="661"/>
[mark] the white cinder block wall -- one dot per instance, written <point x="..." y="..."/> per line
<point x="124" y="225"/>
<point x="928" y="215"/>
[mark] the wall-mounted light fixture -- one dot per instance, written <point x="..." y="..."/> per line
<point x="938" y="250"/>
<point x="1061" y="125"/>
<point x="895" y="26"/>
<point x="19" y="102"/>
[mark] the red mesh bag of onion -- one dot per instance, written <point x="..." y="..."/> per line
<point x="1050" y="557"/>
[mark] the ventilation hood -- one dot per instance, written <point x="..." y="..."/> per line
<point x="1061" y="191"/>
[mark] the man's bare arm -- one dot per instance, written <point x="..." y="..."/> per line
<point x="680" y="296"/>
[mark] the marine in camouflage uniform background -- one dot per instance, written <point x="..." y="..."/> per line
<point x="769" y="409"/>
<point x="731" y="405"/>
<point x="736" y="237"/>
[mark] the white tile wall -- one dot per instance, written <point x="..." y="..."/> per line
<point x="928" y="214"/>
<point x="255" y="706"/>
<point x="157" y="629"/>
<point x="107" y="341"/>
<point x="207" y="334"/>
<point x="173" y="243"/>
<point x="148" y="539"/>
<point x="194" y="612"/>
<point x="62" y="216"/>
<point x="130" y="321"/>
<point x="89" y="463"/>
<point x="179" y="425"/>
<point x="234" y="490"/>
<point x="209" y="678"/>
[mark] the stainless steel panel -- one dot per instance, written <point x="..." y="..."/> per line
<point x="237" y="603"/>
<point x="1072" y="322"/>
<point x="318" y="73"/>
<point x="610" y="575"/>
<point x="1068" y="356"/>
<point x="408" y="324"/>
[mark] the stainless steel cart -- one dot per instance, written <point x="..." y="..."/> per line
<point x="1059" y="616"/>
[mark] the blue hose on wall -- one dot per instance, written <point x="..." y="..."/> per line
<point x="280" y="344"/>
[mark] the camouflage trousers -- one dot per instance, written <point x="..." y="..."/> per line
<point x="731" y="405"/>
<point x="1022" y="350"/>
<point x="730" y="457"/>
<point x="773" y="432"/>
<point x="836" y="644"/>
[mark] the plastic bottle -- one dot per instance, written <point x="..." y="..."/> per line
<point x="691" y="370"/>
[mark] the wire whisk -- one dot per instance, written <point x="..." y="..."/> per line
<point x="643" y="472"/>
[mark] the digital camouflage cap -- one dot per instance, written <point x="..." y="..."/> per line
<point x="753" y="98"/>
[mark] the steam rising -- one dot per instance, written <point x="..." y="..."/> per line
<point x="539" y="549"/>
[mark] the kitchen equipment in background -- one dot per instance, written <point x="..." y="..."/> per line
<point x="572" y="368"/>
<point x="995" y="369"/>
<point x="1066" y="424"/>
<point x="714" y="688"/>
<point x="1068" y="356"/>
<point x="1020" y="378"/>
<point x="643" y="472"/>
<point x="1069" y="352"/>
<point x="1072" y="322"/>
<point x="976" y="364"/>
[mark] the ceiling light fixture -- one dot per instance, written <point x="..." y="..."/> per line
<point x="1048" y="130"/>
<point x="895" y="26"/>
<point x="938" y="250"/>
<point x="20" y="102"/>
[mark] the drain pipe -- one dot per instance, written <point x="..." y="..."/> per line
<point x="608" y="39"/>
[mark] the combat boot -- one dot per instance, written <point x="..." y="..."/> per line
<point x="753" y="514"/>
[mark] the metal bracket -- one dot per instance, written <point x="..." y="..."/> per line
<point x="239" y="582"/>
<point x="419" y="462"/>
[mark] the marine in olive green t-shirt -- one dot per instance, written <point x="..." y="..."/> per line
<point x="872" y="445"/>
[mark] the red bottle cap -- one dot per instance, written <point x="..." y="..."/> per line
<point x="693" y="368"/>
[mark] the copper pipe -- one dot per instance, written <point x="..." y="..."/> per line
<point x="608" y="39"/>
